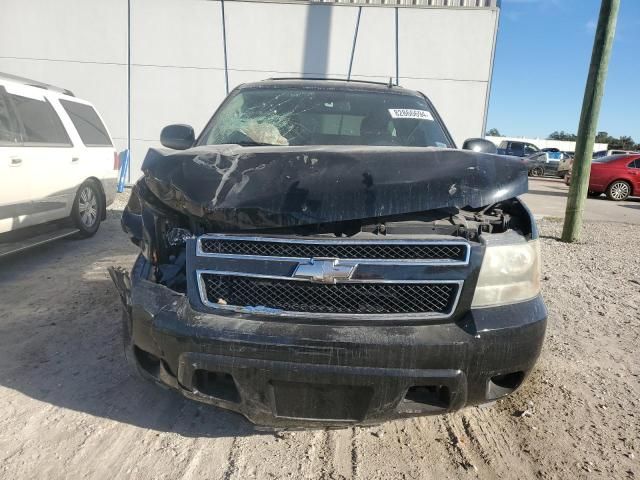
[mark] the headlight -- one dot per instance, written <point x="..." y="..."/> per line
<point x="509" y="274"/>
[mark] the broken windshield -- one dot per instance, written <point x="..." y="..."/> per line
<point x="304" y="116"/>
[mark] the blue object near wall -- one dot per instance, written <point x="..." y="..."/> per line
<point x="124" y="170"/>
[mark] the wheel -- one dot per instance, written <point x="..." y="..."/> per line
<point x="536" y="172"/>
<point x="86" y="209"/>
<point x="618" y="190"/>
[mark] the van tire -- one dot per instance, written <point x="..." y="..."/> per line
<point x="87" y="209"/>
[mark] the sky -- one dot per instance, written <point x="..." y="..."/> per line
<point x="541" y="65"/>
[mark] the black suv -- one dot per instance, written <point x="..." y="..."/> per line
<point x="322" y="254"/>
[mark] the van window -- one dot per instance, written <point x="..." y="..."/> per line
<point x="41" y="123"/>
<point x="90" y="128"/>
<point x="9" y="130"/>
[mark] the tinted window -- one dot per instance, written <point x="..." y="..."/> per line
<point x="635" y="164"/>
<point x="611" y="158"/>
<point x="40" y="121"/>
<point x="89" y="126"/>
<point x="9" y="131"/>
<point x="303" y="116"/>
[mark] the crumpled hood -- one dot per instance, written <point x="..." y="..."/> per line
<point x="248" y="188"/>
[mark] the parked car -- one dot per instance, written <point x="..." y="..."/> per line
<point x="322" y="254"/>
<point x="545" y="163"/>
<point x="517" y="149"/>
<point x="57" y="159"/>
<point x="565" y="164"/>
<point x="608" y="153"/>
<point x="617" y="176"/>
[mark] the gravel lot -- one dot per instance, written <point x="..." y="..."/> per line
<point x="69" y="407"/>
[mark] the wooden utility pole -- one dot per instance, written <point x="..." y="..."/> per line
<point x="589" y="119"/>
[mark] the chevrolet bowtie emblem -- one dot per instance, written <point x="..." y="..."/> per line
<point x="324" y="271"/>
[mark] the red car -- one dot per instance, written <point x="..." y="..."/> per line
<point x="618" y="176"/>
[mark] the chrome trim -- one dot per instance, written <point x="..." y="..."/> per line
<point x="347" y="316"/>
<point x="368" y="261"/>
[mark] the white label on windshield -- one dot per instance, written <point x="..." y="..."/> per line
<point x="410" y="113"/>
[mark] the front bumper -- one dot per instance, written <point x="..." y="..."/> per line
<point x="283" y="374"/>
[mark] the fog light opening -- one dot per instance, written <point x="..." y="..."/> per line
<point x="504" y="384"/>
<point x="149" y="362"/>
<point x="438" y="396"/>
<point x="218" y="385"/>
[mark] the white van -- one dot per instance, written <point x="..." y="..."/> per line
<point x="57" y="159"/>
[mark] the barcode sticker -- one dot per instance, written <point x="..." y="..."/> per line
<point x="410" y="113"/>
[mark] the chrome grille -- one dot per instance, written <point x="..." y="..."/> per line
<point x="343" y="249"/>
<point x="341" y="298"/>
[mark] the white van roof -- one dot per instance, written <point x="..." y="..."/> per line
<point x="35" y="83"/>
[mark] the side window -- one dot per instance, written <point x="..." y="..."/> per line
<point x="529" y="149"/>
<point x="9" y="130"/>
<point x="635" y="163"/>
<point x="42" y="126"/>
<point x="90" y="128"/>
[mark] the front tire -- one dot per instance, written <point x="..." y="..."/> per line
<point x="536" y="172"/>
<point x="618" y="191"/>
<point x="86" y="209"/>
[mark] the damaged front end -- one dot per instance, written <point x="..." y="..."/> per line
<point x="332" y="285"/>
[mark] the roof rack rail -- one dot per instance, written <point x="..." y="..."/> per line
<point x="351" y="80"/>
<point x="35" y="83"/>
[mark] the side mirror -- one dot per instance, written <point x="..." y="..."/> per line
<point x="177" y="137"/>
<point x="479" y="145"/>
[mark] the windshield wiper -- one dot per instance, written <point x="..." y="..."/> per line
<point x="251" y="143"/>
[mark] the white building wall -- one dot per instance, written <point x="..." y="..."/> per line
<point x="76" y="44"/>
<point x="177" y="54"/>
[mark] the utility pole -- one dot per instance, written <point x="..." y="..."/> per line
<point x="589" y="119"/>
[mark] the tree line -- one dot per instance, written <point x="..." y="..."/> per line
<point x="615" y="143"/>
<point x="623" y="142"/>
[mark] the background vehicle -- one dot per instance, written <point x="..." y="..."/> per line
<point x="566" y="161"/>
<point x="546" y="162"/>
<point x="57" y="159"/>
<point x="517" y="149"/>
<point x="617" y="176"/>
<point x="566" y="164"/>
<point x="608" y="153"/>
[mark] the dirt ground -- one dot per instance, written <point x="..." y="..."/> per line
<point x="69" y="407"/>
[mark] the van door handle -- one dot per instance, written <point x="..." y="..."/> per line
<point x="75" y="160"/>
<point x="16" y="162"/>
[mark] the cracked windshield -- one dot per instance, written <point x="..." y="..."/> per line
<point x="324" y="117"/>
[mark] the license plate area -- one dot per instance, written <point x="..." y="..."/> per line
<point x="304" y="401"/>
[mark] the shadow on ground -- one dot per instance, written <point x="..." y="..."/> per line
<point x="60" y="340"/>
<point x="548" y="193"/>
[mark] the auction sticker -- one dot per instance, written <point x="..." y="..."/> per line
<point x="410" y="113"/>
